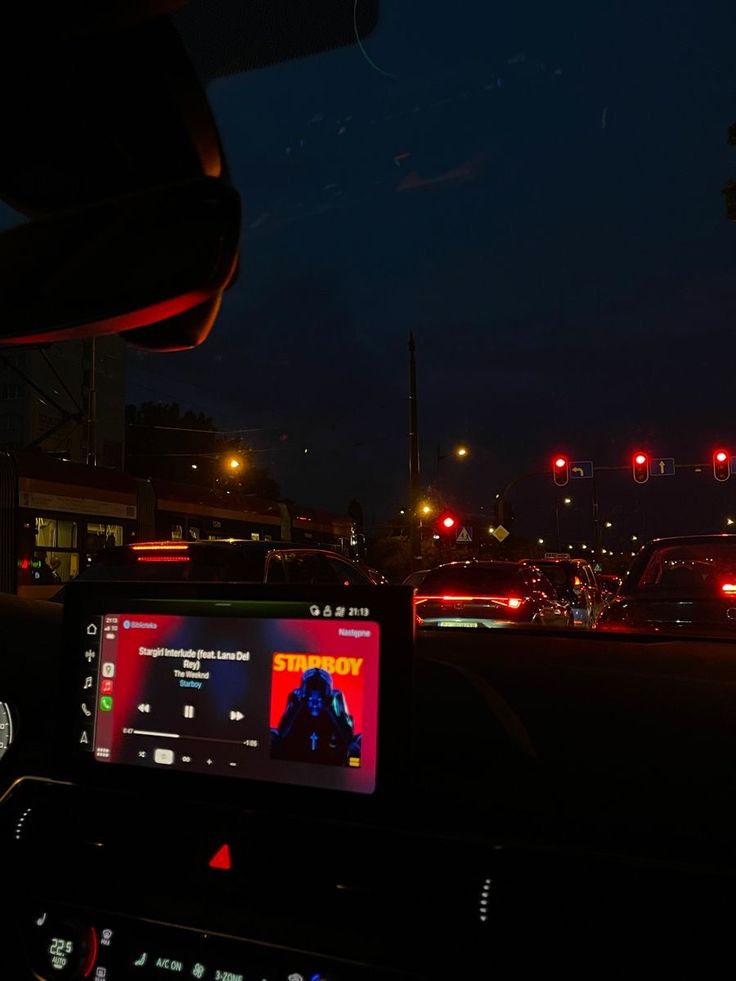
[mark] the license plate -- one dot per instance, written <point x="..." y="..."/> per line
<point x="457" y="623"/>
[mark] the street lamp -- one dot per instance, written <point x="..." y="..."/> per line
<point x="568" y="500"/>
<point x="459" y="452"/>
<point x="730" y="521"/>
<point x="609" y="524"/>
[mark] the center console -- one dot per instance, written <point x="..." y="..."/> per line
<point x="224" y="797"/>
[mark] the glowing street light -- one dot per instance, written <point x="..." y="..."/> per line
<point x="234" y="463"/>
<point x="461" y="451"/>
<point x="541" y="541"/>
<point x="568" y="500"/>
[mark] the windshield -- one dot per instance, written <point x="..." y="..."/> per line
<point x="511" y="219"/>
<point x="207" y="564"/>
<point x="471" y="581"/>
<point x="556" y="574"/>
<point x="698" y="570"/>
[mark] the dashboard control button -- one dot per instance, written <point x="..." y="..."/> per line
<point x="63" y="948"/>
<point x="221" y="859"/>
<point x="163" y="756"/>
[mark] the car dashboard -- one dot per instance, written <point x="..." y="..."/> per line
<point x="487" y="841"/>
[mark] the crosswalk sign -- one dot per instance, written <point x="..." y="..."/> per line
<point x="465" y="536"/>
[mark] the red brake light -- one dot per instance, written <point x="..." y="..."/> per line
<point x="512" y="601"/>
<point x="162" y="558"/>
<point x="729" y="588"/>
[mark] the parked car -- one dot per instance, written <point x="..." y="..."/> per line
<point x="678" y="585"/>
<point x="489" y="594"/>
<point x="230" y="560"/>
<point x="575" y="580"/>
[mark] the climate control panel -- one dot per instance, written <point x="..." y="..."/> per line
<point x="75" y="945"/>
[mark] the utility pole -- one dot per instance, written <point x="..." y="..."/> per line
<point x="89" y="367"/>
<point x="597" y="539"/>
<point x="414" y="519"/>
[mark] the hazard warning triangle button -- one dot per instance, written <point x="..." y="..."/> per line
<point x="221" y="858"/>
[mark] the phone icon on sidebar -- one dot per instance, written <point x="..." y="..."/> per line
<point x="86" y="710"/>
<point x="106" y="703"/>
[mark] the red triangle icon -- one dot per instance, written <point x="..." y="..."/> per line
<point x="221" y="858"/>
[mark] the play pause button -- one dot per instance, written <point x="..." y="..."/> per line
<point x="188" y="711"/>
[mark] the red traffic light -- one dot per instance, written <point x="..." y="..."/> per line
<point x="448" y="523"/>
<point x="640" y="467"/>
<point x="560" y="470"/>
<point x="721" y="465"/>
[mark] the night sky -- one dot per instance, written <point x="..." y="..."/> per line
<point x="535" y="191"/>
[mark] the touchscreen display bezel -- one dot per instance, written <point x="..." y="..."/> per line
<point x="389" y="606"/>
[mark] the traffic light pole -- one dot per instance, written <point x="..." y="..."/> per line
<point x="597" y="539"/>
<point x="415" y="543"/>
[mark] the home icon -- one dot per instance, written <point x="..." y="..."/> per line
<point x="92" y="629"/>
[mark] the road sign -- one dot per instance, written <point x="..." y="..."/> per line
<point x="581" y="469"/>
<point x="464" y="536"/>
<point x="662" y="466"/>
<point x="500" y="533"/>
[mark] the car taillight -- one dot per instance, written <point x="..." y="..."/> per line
<point x="729" y="588"/>
<point x="162" y="558"/>
<point x="511" y="601"/>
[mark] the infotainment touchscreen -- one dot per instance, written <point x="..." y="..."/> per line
<point x="211" y="688"/>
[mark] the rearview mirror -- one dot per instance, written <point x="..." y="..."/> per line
<point x="127" y="263"/>
<point x="111" y="148"/>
